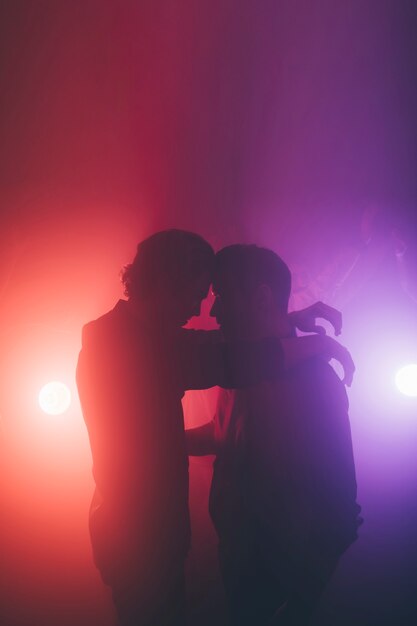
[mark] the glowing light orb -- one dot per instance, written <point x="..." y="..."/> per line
<point x="406" y="380"/>
<point x="54" y="398"/>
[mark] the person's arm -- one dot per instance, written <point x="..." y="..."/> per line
<point x="331" y="460"/>
<point x="305" y="319"/>
<point x="204" y="363"/>
<point x="200" y="441"/>
<point x="297" y="350"/>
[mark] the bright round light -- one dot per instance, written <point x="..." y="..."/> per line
<point x="406" y="380"/>
<point x="54" y="398"/>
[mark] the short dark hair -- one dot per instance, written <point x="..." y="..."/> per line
<point x="169" y="258"/>
<point x="253" y="266"/>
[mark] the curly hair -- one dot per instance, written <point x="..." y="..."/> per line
<point x="169" y="259"/>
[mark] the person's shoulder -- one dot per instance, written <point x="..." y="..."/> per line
<point x="101" y="325"/>
<point x="322" y="380"/>
<point x="316" y="367"/>
<point x="189" y="336"/>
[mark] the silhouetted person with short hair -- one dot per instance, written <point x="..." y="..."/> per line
<point x="135" y="364"/>
<point x="283" y="495"/>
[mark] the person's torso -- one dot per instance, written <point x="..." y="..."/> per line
<point x="276" y="462"/>
<point x="131" y="401"/>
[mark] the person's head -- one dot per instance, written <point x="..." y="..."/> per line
<point x="252" y="287"/>
<point x="171" y="274"/>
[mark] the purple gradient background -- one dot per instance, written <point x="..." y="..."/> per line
<point x="272" y="122"/>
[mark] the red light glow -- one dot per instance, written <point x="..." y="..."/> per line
<point x="54" y="398"/>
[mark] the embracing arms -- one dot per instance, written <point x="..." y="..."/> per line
<point x="206" y="361"/>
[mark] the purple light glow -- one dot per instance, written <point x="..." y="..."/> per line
<point x="406" y="380"/>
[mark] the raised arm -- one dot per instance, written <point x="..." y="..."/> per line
<point x="302" y="348"/>
<point x="205" y="363"/>
<point x="305" y="319"/>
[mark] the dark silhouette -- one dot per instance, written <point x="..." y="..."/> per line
<point x="283" y="496"/>
<point x="135" y="364"/>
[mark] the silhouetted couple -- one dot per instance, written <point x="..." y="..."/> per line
<point x="283" y="497"/>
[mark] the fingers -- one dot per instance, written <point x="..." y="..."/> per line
<point x="305" y="319"/>
<point x="343" y="356"/>
<point x="320" y="330"/>
<point x="348" y="367"/>
<point x="337" y="323"/>
<point x="330" y="314"/>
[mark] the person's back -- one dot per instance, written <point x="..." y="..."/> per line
<point x="300" y="477"/>
<point x="130" y="387"/>
<point x="132" y="407"/>
<point x="283" y="497"/>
